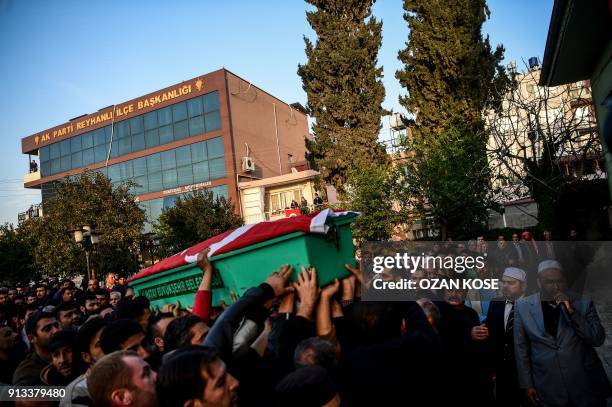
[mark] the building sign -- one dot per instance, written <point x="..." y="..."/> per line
<point x="120" y="112"/>
<point x="175" y="288"/>
<point x="186" y="188"/>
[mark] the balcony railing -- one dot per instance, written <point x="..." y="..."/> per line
<point x="35" y="211"/>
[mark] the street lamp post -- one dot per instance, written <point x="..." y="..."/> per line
<point x="149" y="243"/>
<point x="88" y="239"/>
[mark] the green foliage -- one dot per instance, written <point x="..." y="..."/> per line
<point x="16" y="260"/>
<point x="371" y="192"/>
<point x="449" y="68"/>
<point x="344" y="88"/>
<point x="87" y="199"/>
<point x="448" y="178"/>
<point x="194" y="219"/>
<point x="452" y="77"/>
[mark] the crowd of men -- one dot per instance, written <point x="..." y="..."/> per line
<point x="297" y="344"/>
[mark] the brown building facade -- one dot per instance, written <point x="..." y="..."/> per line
<point x="212" y="131"/>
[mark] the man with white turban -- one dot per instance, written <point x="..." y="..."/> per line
<point x="500" y="321"/>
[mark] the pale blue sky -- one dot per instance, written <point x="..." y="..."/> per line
<point x="61" y="59"/>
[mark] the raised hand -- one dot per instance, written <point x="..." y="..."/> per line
<point x="331" y="289"/>
<point x="308" y="292"/>
<point x="278" y="279"/>
<point x="348" y="288"/>
<point x="203" y="261"/>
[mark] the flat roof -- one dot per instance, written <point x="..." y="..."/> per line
<point x="108" y="115"/>
<point x="279" y="180"/>
<point x="114" y="113"/>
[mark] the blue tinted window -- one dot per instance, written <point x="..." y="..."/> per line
<point x="107" y="131"/>
<point x="151" y="138"/>
<point x="154" y="163"/>
<point x="125" y="170"/>
<point x="136" y="125"/>
<point x="183" y="156"/>
<point x="77" y="159"/>
<point x="150" y="120"/>
<point x="115" y="148"/>
<point x="142" y="186"/>
<point x="55" y="150"/>
<point x="113" y="172"/>
<point x="217" y="168"/>
<point x="75" y="144"/>
<point x="44" y="153"/>
<point x="138" y="142"/>
<point x="156" y="206"/>
<point x="125" y="146"/>
<point x="196" y="126"/>
<point x="181" y="130"/>
<point x="165" y="134"/>
<point x="198" y="152"/>
<point x="65" y="147"/>
<point x="45" y="168"/>
<point x="88" y="156"/>
<point x="140" y="166"/>
<point x="100" y="153"/>
<point x="200" y="172"/>
<point x="155" y="181"/>
<point x="220" y="191"/>
<point x="87" y="140"/>
<point x="55" y="166"/>
<point x="122" y="129"/>
<point x="65" y="163"/>
<point x="99" y="137"/>
<point x="184" y="174"/>
<point x="215" y="147"/>
<point x="194" y="107"/>
<point x="170" y="201"/>
<point x="164" y="116"/>
<point x="169" y="179"/>
<point x="213" y="121"/>
<point x="179" y="112"/>
<point x="211" y="102"/>
<point x="168" y="160"/>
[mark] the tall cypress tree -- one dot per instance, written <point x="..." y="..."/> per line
<point x="450" y="69"/>
<point x="452" y="76"/>
<point x="344" y="88"/>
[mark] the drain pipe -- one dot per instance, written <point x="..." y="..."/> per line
<point x="280" y="167"/>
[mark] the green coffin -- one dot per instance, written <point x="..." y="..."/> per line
<point x="244" y="268"/>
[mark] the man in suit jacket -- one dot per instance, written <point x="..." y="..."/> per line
<point x="554" y="339"/>
<point x="500" y="321"/>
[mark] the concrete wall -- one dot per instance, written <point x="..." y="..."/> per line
<point x="253" y="204"/>
<point x="516" y="216"/>
<point x="254" y="121"/>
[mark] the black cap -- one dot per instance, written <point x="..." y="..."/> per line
<point x="65" y="337"/>
<point x="308" y="386"/>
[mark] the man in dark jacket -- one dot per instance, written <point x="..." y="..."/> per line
<point x="61" y="371"/>
<point x="500" y="321"/>
<point x="465" y="349"/>
<point x="39" y="327"/>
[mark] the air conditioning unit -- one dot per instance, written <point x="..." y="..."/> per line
<point x="248" y="165"/>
